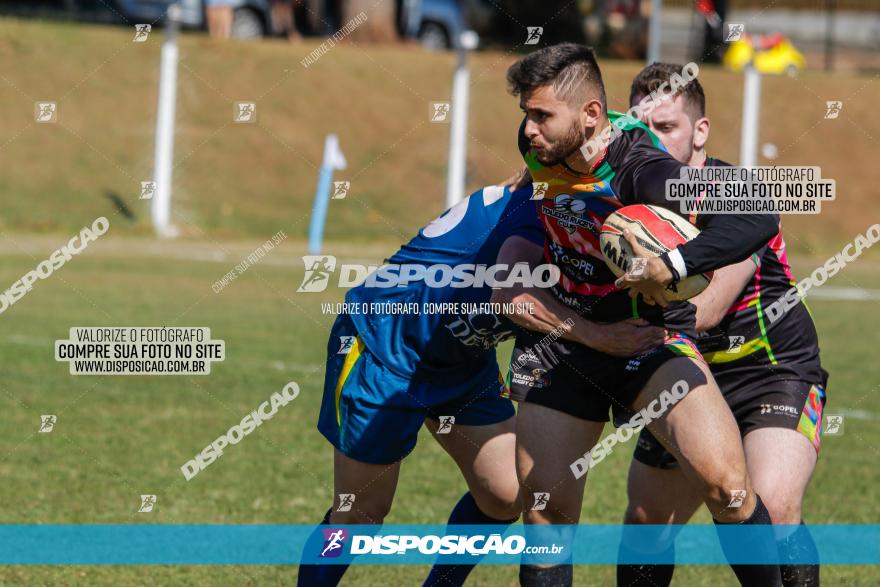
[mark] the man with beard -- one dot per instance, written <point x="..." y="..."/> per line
<point x="592" y="162"/>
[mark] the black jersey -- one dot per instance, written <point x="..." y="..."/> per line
<point x="633" y="170"/>
<point x="748" y="347"/>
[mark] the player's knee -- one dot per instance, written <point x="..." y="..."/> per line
<point x="727" y="488"/>
<point x="546" y="517"/>
<point x="639" y="514"/>
<point x="501" y="503"/>
<point x="365" y="512"/>
<point x="784" y="510"/>
<point x="560" y="512"/>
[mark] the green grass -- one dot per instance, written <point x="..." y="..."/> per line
<point x="118" y="437"/>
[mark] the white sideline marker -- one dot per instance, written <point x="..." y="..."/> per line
<point x="455" y="173"/>
<point x="161" y="204"/>
<point x="751" y="117"/>
<point x="654" y="32"/>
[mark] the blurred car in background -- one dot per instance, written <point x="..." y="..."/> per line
<point x="773" y="54"/>
<point x="251" y="18"/>
<point x="438" y="24"/>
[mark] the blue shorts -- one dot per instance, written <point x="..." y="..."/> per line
<point x="373" y="415"/>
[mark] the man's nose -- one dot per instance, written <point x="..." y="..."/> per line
<point x="531" y="129"/>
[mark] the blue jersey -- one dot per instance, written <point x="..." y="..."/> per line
<point x="446" y="346"/>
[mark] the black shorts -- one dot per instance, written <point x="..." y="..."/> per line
<point x="583" y="382"/>
<point x="790" y="404"/>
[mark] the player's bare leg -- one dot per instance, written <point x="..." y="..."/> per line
<point x="781" y="463"/>
<point x="485" y="456"/>
<point x="718" y="467"/>
<point x="542" y="469"/>
<point x="548" y="441"/>
<point x="372" y="486"/>
<point x="702" y="434"/>
<point x="362" y="494"/>
<point x="658" y="497"/>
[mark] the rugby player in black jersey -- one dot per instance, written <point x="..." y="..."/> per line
<point x="769" y="373"/>
<point x="564" y="407"/>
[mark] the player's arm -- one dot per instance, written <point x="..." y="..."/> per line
<point x="724" y="239"/>
<point x="623" y="339"/>
<point x="726" y="286"/>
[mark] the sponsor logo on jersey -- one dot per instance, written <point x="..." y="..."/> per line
<point x="568" y="212"/>
<point x="537" y="378"/>
<point x="578" y="266"/>
<point x="780" y="409"/>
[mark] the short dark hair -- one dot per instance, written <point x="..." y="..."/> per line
<point x="565" y="67"/>
<point x="650" y="78"/>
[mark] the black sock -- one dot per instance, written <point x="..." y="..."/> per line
<point x="759" y="542"/>
<point x="556" y="576"/>
<point x="466" y="512"/>
<point x="319" y="575"/>
<point x="644" y="575"/>
<point x="799" y="547"/>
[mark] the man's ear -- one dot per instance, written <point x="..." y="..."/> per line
<point x="591" y="113"/>
<point x="701" y="133"/>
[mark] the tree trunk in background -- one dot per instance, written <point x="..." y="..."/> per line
<point x="381" y="23"/>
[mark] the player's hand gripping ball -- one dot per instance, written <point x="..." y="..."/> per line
<point x="646" y="232"/>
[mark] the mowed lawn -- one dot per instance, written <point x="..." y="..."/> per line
<point x="119" y="437"/>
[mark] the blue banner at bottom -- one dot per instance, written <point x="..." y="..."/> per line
<point x="425" y="544"/>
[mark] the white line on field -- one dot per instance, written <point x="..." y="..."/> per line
<point x="282" y="366"/>
<point x="849" y="294"/>
<point x="859" y="414"/>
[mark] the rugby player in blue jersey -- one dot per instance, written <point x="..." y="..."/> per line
<point x="388" y="374"/>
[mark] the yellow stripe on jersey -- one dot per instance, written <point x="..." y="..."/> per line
<point x="350" y="359"/>
<point x="745" y="350"/>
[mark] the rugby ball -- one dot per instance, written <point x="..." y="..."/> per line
<point x="658" y="230"/>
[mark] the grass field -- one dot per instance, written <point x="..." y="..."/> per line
<point x="118" y="437"/>
<point x="235" y="186"/>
